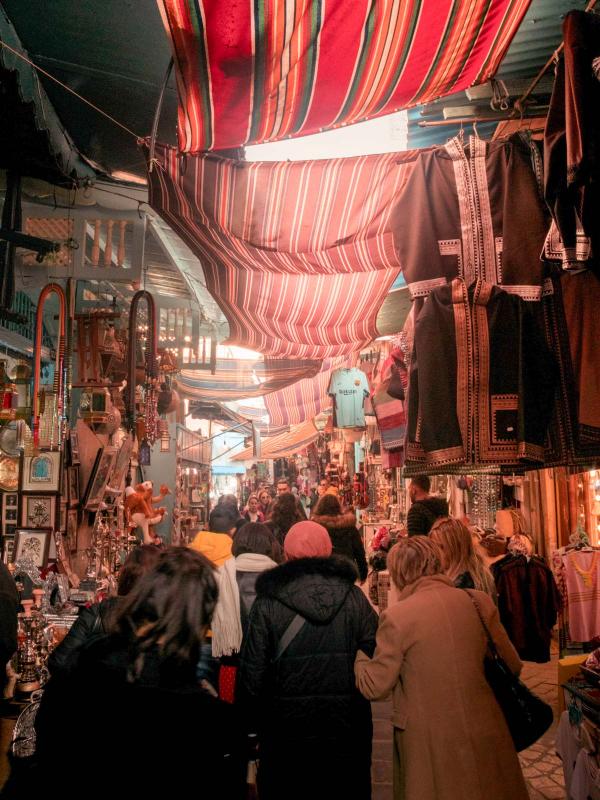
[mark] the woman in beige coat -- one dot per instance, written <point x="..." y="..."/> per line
<point x="450" y="738"/>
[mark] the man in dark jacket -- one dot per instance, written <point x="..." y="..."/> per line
<point x="425" y="509"/>
<point x="314" y="728"/>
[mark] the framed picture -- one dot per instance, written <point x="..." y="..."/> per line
<point x="71" y="535"/>
<point x="38" y="511"/>
<point x="101" y="473"/>
<point x="41" y="473"/>
<point x="73" y="480"/>
<point x="10" y="512"/>
<point x="33" y="544"/>
<point x="74" y="448"/>
<point x="8" y="546"/>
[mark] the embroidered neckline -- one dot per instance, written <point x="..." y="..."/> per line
<point x="587" y="575"/>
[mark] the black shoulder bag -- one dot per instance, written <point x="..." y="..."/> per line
<point x="527" y="716"/>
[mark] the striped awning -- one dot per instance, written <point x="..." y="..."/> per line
<point x="305" y="399"/>
<point x="299" y="255"/>
<point x="285" y="444"/>
<point x="237" y="378"/>
<point x="270" y="69"/>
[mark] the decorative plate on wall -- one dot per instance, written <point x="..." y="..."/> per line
<point x="9" y="473"/>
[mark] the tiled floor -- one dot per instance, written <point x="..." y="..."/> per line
<point x="541" y="767"/>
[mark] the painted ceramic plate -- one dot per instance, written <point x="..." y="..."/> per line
<point x="9" y="474"/>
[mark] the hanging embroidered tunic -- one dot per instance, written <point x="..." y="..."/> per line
<point x="482" y="378"/>
<point x="475" y="216"/>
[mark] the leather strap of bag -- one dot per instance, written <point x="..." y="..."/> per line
<point x="289" y="634"/>
<point x="491" y="643"/>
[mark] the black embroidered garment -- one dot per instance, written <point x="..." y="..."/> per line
<point x="572" y="147"/>
<point x="482" y="379"/>
<point x="463" y="215"/>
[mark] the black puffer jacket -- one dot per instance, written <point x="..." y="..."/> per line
<point x="314" y="727"/>
<point x="92" y="621"/>
<point x="346" y="539"/>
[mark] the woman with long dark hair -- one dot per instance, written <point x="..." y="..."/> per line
<point x="342" y="530"/>
<point x="284" y="514"/>
<point x="132" y="710"/>
<point x="93" y="621"/>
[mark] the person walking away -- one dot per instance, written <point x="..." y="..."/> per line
<point x="425" y="509"/>
<point x="460" y="560"/>
<point x="253" y="512"/>
<point x="342" y="530"/>
<point x="255" y="550"/>
<point x="451" y="741"/>
<point x="296" y="682"/>
<point x="225" y="635"/>
<point x="94" y="621"/>
<point x="284" y="514"/>
<point x="231" y="501"/>
<point x="134" y="694"/>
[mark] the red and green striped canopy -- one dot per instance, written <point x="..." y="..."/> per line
<point x="262" y="70"/>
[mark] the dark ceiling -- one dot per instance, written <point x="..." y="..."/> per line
<point x="114" y="53"/>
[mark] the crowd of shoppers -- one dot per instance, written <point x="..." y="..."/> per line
<point x="261" y="630"/>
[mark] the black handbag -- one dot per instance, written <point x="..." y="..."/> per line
<point x="527" y="716"/>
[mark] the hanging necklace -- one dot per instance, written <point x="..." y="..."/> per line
<point x="587" y="575"/>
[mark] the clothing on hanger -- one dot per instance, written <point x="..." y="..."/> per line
<point x="528" y="603"/>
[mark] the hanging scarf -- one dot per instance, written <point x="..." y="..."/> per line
<point x="226" y="624"/>
<point x="253" y="562"/>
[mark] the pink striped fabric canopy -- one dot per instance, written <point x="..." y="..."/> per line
<point x="269" y="69"/>
<point x="299" y="255"/>
<point x="285" y="444"/>
<point x="305" y="399"/>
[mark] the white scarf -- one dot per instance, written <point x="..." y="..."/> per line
<point x="226" y="626"/>
<point x="253" y="562"/>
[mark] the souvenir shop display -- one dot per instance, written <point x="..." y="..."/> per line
<point x="41" y="625"/>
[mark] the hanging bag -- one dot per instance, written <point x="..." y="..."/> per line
<point x="528" y="718"/>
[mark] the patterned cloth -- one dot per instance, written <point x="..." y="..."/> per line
<point x="299" y="255"/>
<point x="236" y="378"/>
<point x="270" y="69"/>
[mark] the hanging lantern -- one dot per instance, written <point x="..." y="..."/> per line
<point x="165" y="439"/>
<point x="144" y="454"/>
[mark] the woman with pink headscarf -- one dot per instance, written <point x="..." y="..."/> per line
<point x="296" y="680"/>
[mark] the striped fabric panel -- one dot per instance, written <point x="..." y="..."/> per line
<point x="305" y="399"/>
<point x="236" y="379"/>
<point x="299" y="255"/>
<point x="292" y="441"/>
<point x="279" y="68"/>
